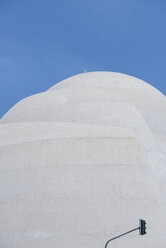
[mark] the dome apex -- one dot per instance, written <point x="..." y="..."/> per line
<point x="100" y="79"/>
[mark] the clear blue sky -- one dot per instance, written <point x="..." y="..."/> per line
<point x="43" y="42"/>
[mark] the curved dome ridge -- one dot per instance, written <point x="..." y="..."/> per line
<point x="102" y="79"/>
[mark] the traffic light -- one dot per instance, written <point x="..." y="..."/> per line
<point x="142" y="228"/>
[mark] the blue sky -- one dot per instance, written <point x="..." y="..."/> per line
<point x="44" y="42"/>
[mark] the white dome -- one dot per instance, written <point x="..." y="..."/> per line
<point x="83" y="162"/>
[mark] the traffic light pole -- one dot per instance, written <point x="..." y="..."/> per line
<point x="138" y="228"/>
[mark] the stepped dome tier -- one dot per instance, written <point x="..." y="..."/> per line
<point x="82" y="162"/>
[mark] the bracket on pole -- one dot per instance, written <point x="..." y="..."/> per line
<point x="141" y="228"/>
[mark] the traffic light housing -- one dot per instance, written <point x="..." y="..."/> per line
<point x="142" y="228"/>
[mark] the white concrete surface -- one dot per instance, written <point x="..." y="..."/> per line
<point x="82" y="162"/>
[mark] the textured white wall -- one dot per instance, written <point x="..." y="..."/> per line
<point x="83" y="162"/>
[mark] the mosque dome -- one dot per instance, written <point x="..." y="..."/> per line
<point x="82" y="162"/>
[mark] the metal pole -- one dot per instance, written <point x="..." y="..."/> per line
<point x="121" y="235"/>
